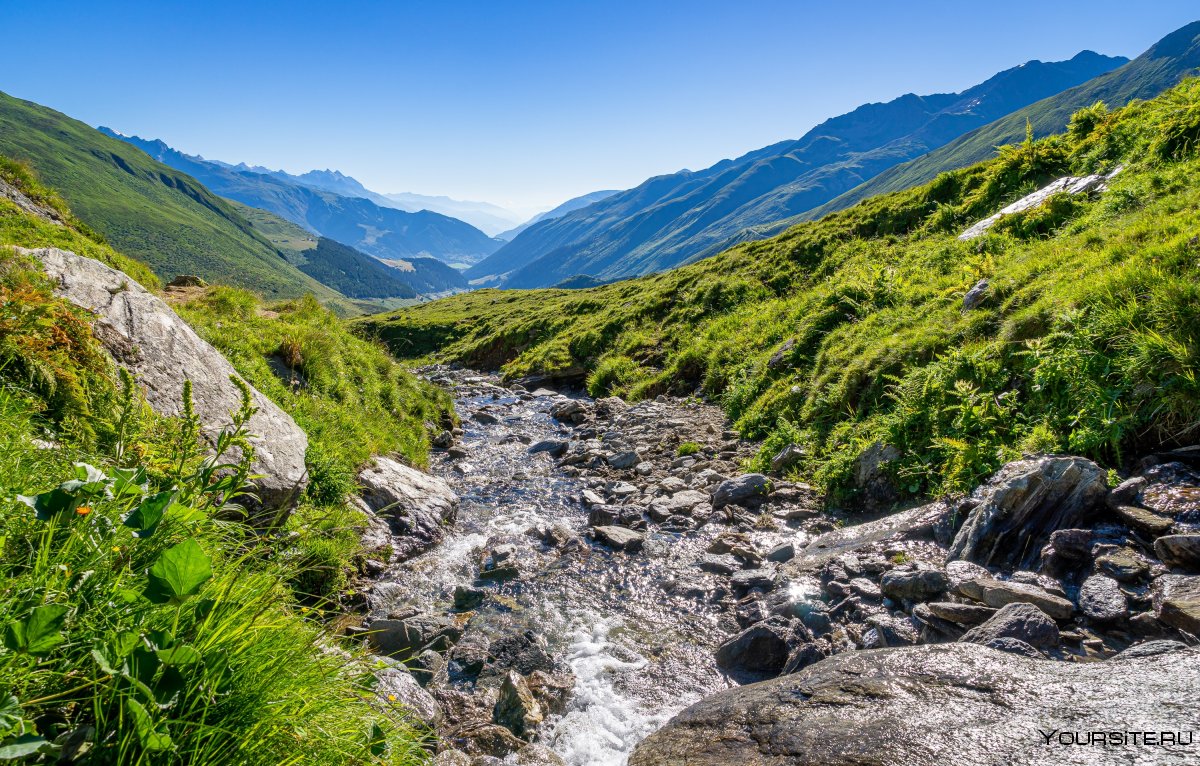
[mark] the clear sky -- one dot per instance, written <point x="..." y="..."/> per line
<point x="523" y="104"/>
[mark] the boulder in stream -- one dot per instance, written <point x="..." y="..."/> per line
<point x="418" y="507"/>
<point x="929" y="705"/>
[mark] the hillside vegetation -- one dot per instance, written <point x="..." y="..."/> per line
<point x="143" y="208"/>
<point x="851" y="330"/>
<point x="141" y="626"/>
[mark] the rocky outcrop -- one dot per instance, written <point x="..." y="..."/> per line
<point x="416" y="506"/>
<point x="146" y="337"/>
<point x="1072" y="185"/>
<point x="1012" y="516"/>
<point x="960" y="703"/>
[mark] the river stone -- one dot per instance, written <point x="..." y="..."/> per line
<point x="748" y="579"/>
<point x="963" y="614"/>
<point x="1022" y="504"/>
<point x="485" y="418"/>
<point x="1144" y="519"/>
<point x="1101" y="599"/>
<point x="418" y="507"/>
<point x="1123" y="564"/>
<point x="998" y="594"/>
<point x="1179" y="551"/>
<point x="516" y="709"/>
<point x="920" y="585"/>
<point x="680" y="503"/>
<point x="917" y="523"/>
<point x="1177" y="601"/>
<point x="566" y="410"/>
<point x="534" y="754"/>
<point x="554" y="447"/>
<point x="759" y="650"/>
<point x="951" y="703"/>
<point x="394" y="685"/>
<point x="143" y="335"/>
<point x="404" y="638"/>
<point x="1014" y="646"/>
<point x="619" y="537"/>
<point x="749" y="489"/>
<point x="1024" y="622"/>
<point x="621" y="460"/>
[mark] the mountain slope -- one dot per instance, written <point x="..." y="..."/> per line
<point x="1151" y="73"/>
<point x="356" y="274"/>
<point x="670" y="219"/>
<point x="147" y="210"/>
<point x="571" y="205"/>
<point x="852" y="330"/>
<point x="384" y="232"/>
<point x="488" y="218"/>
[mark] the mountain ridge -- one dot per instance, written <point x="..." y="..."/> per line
<point x="669" y="219"/>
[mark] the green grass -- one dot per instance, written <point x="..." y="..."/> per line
<point x="138" y="628"/>
<point x="146" y="210"/>
<point x="1089" y="341"/>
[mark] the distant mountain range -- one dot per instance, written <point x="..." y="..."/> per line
<point x="571" y="205"/>
<point x="338" y="208"/>
<point x="674" y="219"/>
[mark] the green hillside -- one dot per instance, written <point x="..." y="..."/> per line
<point x="850" y="330"/>
<point x="145" y="209"/>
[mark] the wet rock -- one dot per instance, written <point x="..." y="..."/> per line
<point x="426" y="666"/>
<point x="499" y="564"/>
<point x="485" y="418"/>
<point x="404" y="637"/>
<point x="1016" y="511"/>
<point x="1123" y="564"/>
<point x="998" y="594"/>
<point x="417" y="507"/>
<point x="682" y="503"/>
<point x="920" y="585"/>
<point x="1144" y="520"/>
<point x="567" y="410"/>
<point x="551" y="690"/>
<point x="394" y="685"/>
<point x="1014" y="646"/>
<point x="619" y="538"/>
<point x="452" y="758"/>
<point x="934" y="629"/>
<point x="522" y="652"/>
<point x="1101" y="599"/>
<point x="747" y="490"/>
<point x="621" y="460"/>
<point x="759" y="650"/>
<point x="442" y="440"/>
<point x="1177" y="601"/>
<point x="782" y="553"/>
<point x="672" y="484"/>
<point x="1072" y="544"/>
<point x="871" y="479"/>
<point x="917" y="705"/>
<point x="488" y="740"/>
<point x="914" y="524"/>
<point x="1127" y="493"/>
<point x="603" y="515"/>
<point x="749" y="579"/>
<point x="469" y="656"/>
<point x="516" y="709"/>
<point x="1024" y="622"/>
<point x="808" y="653"/>
<point x="554" y="447"/>
<point x="145" y="336"/>
<point x="963" y="614"/>
<point x="534" y="754"/>
<point x="861" y="586"/>
<point x="1179" y="551"/>
<point x="721" y="564"/>
<point x="890" y="631"/>
<point x="959" y="572"/>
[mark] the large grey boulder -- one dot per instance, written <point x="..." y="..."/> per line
<point x="1177" y="601"/>
<point x="145" y="336"/>
<point x="1015" y="512"/>
<point x="396" y="687"/>
<point x="749" y="489"/>
<point x="914" y="524"/>
<point x="930" y="705"/>
<point x="417" y="507"/>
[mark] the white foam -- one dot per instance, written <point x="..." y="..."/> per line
<point x="603" y="723"/>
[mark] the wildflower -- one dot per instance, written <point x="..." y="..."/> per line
<point x="83" y="510"/>
<point x="116" y="549"/>
<point x="391" y="698"/>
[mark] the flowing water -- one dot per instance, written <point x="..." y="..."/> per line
<point x="638" y="653"/>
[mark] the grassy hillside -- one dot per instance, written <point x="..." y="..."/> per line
<point x="850" y="330"/>
<point x="145" y="209"/>
<point x="137" y="628"/>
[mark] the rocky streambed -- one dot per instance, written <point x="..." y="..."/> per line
<point x="577" y="573"/>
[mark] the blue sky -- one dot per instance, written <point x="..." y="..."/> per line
<point x="522" y="103"/>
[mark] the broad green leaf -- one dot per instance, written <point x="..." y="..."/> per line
<point x="145" y="518"/>
<point x="10" y="715"/>
<point x="38" y="633"/>
<point x="169" y="688"/>
<point x="19" y="747"/>
<point x="49" y="504"/>
<point x="179" y="573"/>
<point x="124" y="643"/>
<point x="105" y="664"/>
<point x="179" y="655"/>
<point x="153" y="738"/>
